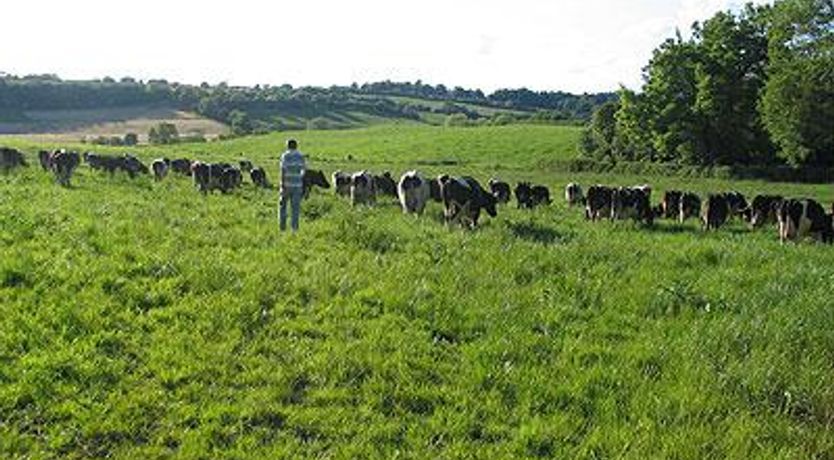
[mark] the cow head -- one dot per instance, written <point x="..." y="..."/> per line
<point x="316" y="177"/>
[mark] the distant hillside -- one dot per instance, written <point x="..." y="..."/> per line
<point x="47" y="104"/>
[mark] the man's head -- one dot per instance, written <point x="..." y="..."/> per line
<point x="292" y="144"/>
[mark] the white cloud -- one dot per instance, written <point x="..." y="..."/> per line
<point x="575" y="45"/>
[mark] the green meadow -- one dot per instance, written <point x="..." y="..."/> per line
<point x="144" y="320"/>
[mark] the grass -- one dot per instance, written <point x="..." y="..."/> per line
<point x="142" y="320"/>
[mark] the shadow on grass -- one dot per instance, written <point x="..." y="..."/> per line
<point x="536" y="233"/>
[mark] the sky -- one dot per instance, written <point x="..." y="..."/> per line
<point x="568" y="45"/>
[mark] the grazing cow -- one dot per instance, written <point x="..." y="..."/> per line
<point x="434" y="189"/>
<point x="716" y="211"/>
<point x="633" y="203"/>
<point x="132" y="166"/>
<point x="645" y="188"/>
<point x="671" y="203"/>
<point x="573" y="194"/>
<point x="737" y="203"/>
<point x="500" y="190"/>
<point x="230" y="179"/>
<point x="63" y="164"/>
<point x="201" y="172"/>
<point x="45" y="158"/>
<point x="413" y="191"/>
<point x="258" y="176"/>
<point x="598" y="202"/>
<point x="362" y="188"/>
<point x="385" y="184"/>
<point x="245" y="166"/>
<point x="524" y="195"/>
<point x="541" y="195"/>
<point x="182" y="166"/>
<point x="463" y="198"/>
<point x="762" y="210"/>
<point x="160" y="168"/>
<point x="801" y="218"/>
<point x="341" y="183"/>
<point x="11" y="158"/>
<point x="313" y="177"/>
<point x="689" y="205"/>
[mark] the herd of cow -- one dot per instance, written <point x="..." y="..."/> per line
<point x="464" y="198"/>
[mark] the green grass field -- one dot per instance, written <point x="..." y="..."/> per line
<point x="142" y="320"/>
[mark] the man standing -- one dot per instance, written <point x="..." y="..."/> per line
<point x="292" y="183"/>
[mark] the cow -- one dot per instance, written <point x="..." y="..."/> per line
<point x="45" y="158"/>
<point x="737" y="203"/>
<point x="385" y="185"/>
<point x="201" y="172"/>
<point x="633" y="203"/>
<point x="434" y="189"/>
<point x="414" y="191"/>
<point x="541" y="195"/>
<point x="11" y="158"/>
<point x="762" y="210"/>
<point x="362" y="188"/>
<point x="245" y="166"/>
<point x="132" y="166"/>
<point x="182" y="166"/>
<point x="258" y="176"/>
<point x="160" y="168"/>
<point x="799" y="218"/>
<point x="341" y="183"/>
<point x="670" y="204"/>
<point x="716" y="211"/>
<point x="63" y="164"/>
<point x="500" y="190"/>
<point x="230" y="179"/>
<point x="463" y="198"/>
<point x="645" y="188"/>
<point x="598" y="202"/>
<point x="573" y="194"/>
<point x="689" y="205"/>
<point x="313" y="177"/>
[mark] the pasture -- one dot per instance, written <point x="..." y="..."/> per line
<point x="142" y="320"/>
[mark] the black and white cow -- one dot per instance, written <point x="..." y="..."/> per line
<point x="598" y="202"/>
<point x="63" y="164"/>
<point x="670" y="205"/>
<point x="762" y="210"/>
<point x="181" y="166"/>
<point x="160" y="168"/>
<point x="689" y="205"/>
<point x="201" y="172"/>
<point x="716" y="211"/>
<point x="341" y="183"/>
<point x="737" y="203"/>
<point x="362" y="189"/>
<point x="245" y="166"/>
<point x="500" y="190"/>
<point x="802" y="218"/>
<point x="463" y="200"/>
<point x="573" y="194"/>
<point x="258" y="176"/>
<point x="631" y="203"/>
<point x="414" y="192"/>
<point x="313" y="178"/>
<point x="45" y="158"/>
<point x="434" y="189"/>
<point x="385" y="185"/>
<point x="529" y="196"/>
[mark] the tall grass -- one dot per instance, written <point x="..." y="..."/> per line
<point x="142" y="320"/>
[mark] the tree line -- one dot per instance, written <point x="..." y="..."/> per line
<point x="755" y="87"/>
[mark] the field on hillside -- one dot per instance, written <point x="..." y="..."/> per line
<point x="46" y="126"/>
<point x="143" y="320"/>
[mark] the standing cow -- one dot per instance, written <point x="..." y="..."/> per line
<point x="716" y="211"/>
<point x="63" y="164"/>
<point x="573" y="194"/>
<point x="500" y="190"/>
<point x="801" y="218"/>
<point x="160" y="168"/>
<point x="362" y="189"/>
<point x="258" y="176"/>
<point x="598" y="202"/>
<point x="762" y="210"/>
<point x="313" y="178"/>
<point x="11" y="158"/>
<point x="413" y="190"/>
<point x="385" y="185"/>
<point x="464" y="198"/>
<point x="689" y="205"/>
<point x="341" y="183"/>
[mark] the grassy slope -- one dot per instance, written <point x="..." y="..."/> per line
<point x="142" y="320"/>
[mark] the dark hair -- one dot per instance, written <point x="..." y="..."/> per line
<point x="292" y="144"/>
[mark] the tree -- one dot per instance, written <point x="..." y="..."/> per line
<point x="798" y="102"/>
<point x="239" y="122"/>
<point x="163" y="133"/>
<point x="131" y="139"/>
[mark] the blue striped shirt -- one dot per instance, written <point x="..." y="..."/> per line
<point x="292" y="169"/>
